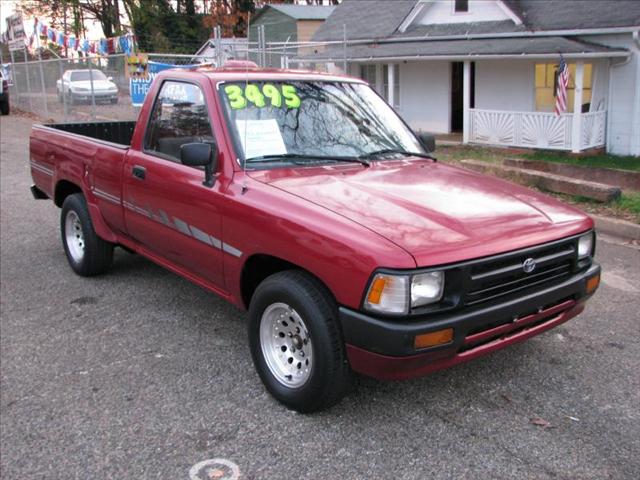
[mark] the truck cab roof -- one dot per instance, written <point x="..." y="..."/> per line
<point x="241" y="71"/>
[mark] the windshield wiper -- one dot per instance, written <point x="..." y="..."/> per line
<point x="298" y="156"/>
<point x="398" y="151"/>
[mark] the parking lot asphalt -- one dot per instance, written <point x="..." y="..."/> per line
<point x="140" y="374"/>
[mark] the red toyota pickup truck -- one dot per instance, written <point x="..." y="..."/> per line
<point x="305" y="199"/>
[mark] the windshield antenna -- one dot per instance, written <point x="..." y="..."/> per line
<point x="246" y="110"/>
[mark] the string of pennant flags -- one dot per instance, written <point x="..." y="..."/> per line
<point x="105" y="46"/>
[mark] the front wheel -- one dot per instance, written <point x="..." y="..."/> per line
<point x="87" y="253"/>
<point x="296" y="342"/>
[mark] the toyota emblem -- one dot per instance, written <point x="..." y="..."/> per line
<point x="529" y="265"/>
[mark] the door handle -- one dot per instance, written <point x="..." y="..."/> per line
<point x="139" y="172"/>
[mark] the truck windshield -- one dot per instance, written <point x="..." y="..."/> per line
<point x="305" y="123"/>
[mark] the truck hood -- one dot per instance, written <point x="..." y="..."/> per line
<point x="437" y="213"/>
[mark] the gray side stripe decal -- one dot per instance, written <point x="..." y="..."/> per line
<point x="184" y="228"/>
<point x="106" y="196"/>
<point x="231" y="250"/>
<point x="41" y="168"/>
<point x="136" y="209"/>
<point x="200" y="235"/>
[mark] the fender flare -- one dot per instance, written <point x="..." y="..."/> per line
<point x="99" y="225"/>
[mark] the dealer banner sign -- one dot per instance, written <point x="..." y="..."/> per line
<point x="139" y="85"/>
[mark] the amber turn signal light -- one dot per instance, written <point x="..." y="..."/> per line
<point x="433" y="339"/>
<point x="376" y="290"/>
<point x="592" y="284"/>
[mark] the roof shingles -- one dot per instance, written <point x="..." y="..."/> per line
<point x="536" y="46"/>
<point x="376" y="19"/>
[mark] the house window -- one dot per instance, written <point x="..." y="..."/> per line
<point x="461" y="6"/>
<point x="396" y="85"/>
<point x="545" y="78"/>
<point x="368" y="74"/>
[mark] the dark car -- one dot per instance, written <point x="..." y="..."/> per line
<point x="4" y="95"/>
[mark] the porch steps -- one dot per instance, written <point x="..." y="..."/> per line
<point x="625" y="179"/>
<point x="547" y="181"/>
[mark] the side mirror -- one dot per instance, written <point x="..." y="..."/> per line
<point x="110" y="79"/>
<point x="427" y="140"/>
<point x="200" y="155"/>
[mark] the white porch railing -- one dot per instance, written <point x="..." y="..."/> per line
<point x="593" y="130"/>
<point x="535" y="129"/>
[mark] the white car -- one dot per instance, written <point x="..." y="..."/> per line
<point x="75" y="85"/>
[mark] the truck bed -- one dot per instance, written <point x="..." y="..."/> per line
<point x="113" y="132"/>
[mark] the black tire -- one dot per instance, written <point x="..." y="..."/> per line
<point x="329" y="376"/>
<point x="95" y="255"/>
<point x="114" y="101"/>
<point x="4" y="107"/>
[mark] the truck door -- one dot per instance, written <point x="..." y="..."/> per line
<point x="166" y="206"/>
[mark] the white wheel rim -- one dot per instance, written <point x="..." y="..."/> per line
<point x="286" y="345"/>
<point x="74" y="236"/>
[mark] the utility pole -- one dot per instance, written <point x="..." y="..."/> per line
<point x="64" y="9"/>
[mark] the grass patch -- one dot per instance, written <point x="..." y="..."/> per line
<point x="626" y="207"/>
<point x="458" y="152"/>
<point x="489" y="154"/>
<point x="604" y="161"/>
<point x="629" y="202"/>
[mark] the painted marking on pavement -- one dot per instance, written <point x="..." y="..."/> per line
<point x="214" y="469"/>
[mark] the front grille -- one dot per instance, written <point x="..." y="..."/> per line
<point x="503" y="276"/>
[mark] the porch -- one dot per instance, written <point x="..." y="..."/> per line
<point x="496" y="102"/>
<point x="571" y="132"/>
<point x="582" y="129"/>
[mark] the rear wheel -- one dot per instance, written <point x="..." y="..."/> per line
<point x="296" y="342"/>
<point x="4" y="107"/>
<point x="87" y="253"/>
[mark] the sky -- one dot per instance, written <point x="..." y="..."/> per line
<point x="8" y="7"/>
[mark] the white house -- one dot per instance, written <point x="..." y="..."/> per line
<point x="231" y="48"/>
<point x="487" y="68"/>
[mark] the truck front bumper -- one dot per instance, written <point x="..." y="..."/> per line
<point x="384" y="348"/>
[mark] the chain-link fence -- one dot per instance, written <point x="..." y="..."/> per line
<point x="82" y="89"/>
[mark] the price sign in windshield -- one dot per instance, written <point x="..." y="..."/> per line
<point x="267" y="95"/>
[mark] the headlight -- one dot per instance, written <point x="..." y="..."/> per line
<point x="389" y="293"/>
<point x="585" y="246"/>
<point x="426" y="288"/>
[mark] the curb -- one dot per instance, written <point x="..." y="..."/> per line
<point x="616" y="227"/>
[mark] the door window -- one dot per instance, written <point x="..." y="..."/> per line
<point x="179" y="116"/>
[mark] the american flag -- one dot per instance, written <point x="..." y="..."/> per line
<point x="561" y="89"/>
